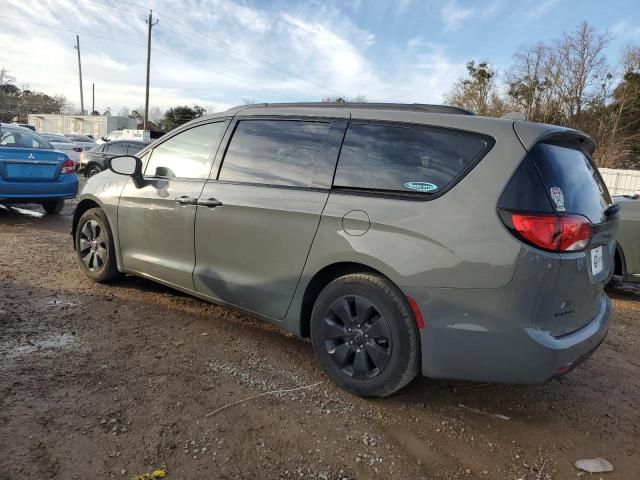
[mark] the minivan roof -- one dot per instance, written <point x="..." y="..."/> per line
<point x="408" y="107"/>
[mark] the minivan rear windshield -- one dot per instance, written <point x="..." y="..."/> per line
<point x="572" y="181"/>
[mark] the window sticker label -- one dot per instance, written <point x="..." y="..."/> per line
<point x="421" y="186"/>
<point x="558" y="198"/>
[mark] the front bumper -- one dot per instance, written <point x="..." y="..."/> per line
<point x="460" y="343"/>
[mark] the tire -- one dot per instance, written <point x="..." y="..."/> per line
<point x="53" y="207"/>
<point x="94" y="247"/>
<point x="371" y="313"/>
<point x="92" y="170"/>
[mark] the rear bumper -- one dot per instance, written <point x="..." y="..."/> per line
<point x="27" y="192"/>
<point x="466" y="346"/>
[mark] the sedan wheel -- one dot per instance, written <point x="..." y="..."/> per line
<point x="93" y="245"/>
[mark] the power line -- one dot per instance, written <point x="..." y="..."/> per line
<point x="43" y="25"/>
<point x="222" y="44"/>
<point x="142" y="45"/>
<point x="270" y="67"/>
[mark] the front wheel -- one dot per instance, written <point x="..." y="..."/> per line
<point x="53" y="206"/>
<point x="92" y="170"/>
<point x="94" y="246"/>
<point x="364" y="335"/>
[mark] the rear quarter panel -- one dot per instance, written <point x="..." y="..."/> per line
<point x="454" y="241"/>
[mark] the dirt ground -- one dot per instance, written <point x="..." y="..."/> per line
<point x="115" y="381"/>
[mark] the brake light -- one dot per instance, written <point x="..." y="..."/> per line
<point x="77" y="149"/>
<point x="68" y="167"/>
<point x="553" y="232"/>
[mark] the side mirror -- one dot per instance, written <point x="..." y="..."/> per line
<point x="126" y="165"/>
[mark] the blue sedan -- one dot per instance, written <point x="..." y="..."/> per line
<point x="32" y="172"/>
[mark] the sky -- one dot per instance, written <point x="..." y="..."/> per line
<point x="221" y="53"/>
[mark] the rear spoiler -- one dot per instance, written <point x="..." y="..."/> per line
<point x="531" y="133"/>
<point x="577" y="139"/>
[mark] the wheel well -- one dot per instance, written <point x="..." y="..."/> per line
<point x="320" y="280"/>
<point x="618" y="266"/>
<point x="82" y="207"/>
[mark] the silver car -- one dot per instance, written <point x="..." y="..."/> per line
<point x="627" y="259"/>
<point x="402" y="239"/>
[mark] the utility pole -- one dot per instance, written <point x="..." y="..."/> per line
<point x="93" y="98"/>
<point x="77" y="47"/>
<point x="146" y="99"/>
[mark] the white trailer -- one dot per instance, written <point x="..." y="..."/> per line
<point x="97" y="126"/>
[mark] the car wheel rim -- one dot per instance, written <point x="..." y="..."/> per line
<point x="357" y="337"/>
<point x="93" y="245"/>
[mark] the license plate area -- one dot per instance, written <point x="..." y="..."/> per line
<point x="597" y="258"/>
<point x="28" y="171"/>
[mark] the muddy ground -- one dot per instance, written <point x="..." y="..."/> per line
<point x="115" y="381"/>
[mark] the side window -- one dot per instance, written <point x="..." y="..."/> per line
<point x="186" y="155"/>
<point x="275" y="152"/>
<point x="133" y="148"/>
<point x="116" y="148"/>
<point x="404" y="159"/>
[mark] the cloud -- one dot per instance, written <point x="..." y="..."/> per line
<point x="541" y="9"/>
<point x="216" y="53"/>
<point x="454" y="16"/>
<point x="625" y="30"/>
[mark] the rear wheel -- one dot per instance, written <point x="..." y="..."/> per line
<point x="364" y="335"/>
<point x="94" y="246"/>
<point x="53" y="207"/>
<point x="92" y="170"/>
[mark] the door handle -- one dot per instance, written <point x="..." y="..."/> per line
<point x="186" y="200"/>
<point x="210" y="203"/>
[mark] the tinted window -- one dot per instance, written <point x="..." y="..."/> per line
<point x="572" y="182"/>
<point x="116" y="148"/>
<point x="403" y="159"/>
<point x="134" y="148"/>
<point x="186" y="155"/>
<point x="275" y="152"/>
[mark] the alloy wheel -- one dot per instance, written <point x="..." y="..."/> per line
<point x="357" y="337"/>
<point x="93" y="245"/>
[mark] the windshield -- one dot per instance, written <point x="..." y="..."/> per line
<point x="22" y="138"/>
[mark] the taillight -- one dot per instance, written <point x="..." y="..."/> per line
<point x="77" y="149"/>
<point x="551" y="232"/>
<point x="68" y="167"/>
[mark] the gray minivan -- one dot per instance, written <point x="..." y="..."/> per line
<point x="402" y="239"/>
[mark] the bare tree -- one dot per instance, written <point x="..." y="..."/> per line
<point x="156" y="114"/>
<point x="582" y="66"/>
<point x="478" y="92"/>
<point x="6" y="78"/>
<point x="124" y="111"/>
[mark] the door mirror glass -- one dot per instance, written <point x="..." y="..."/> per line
<point x="125" y="165"/>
